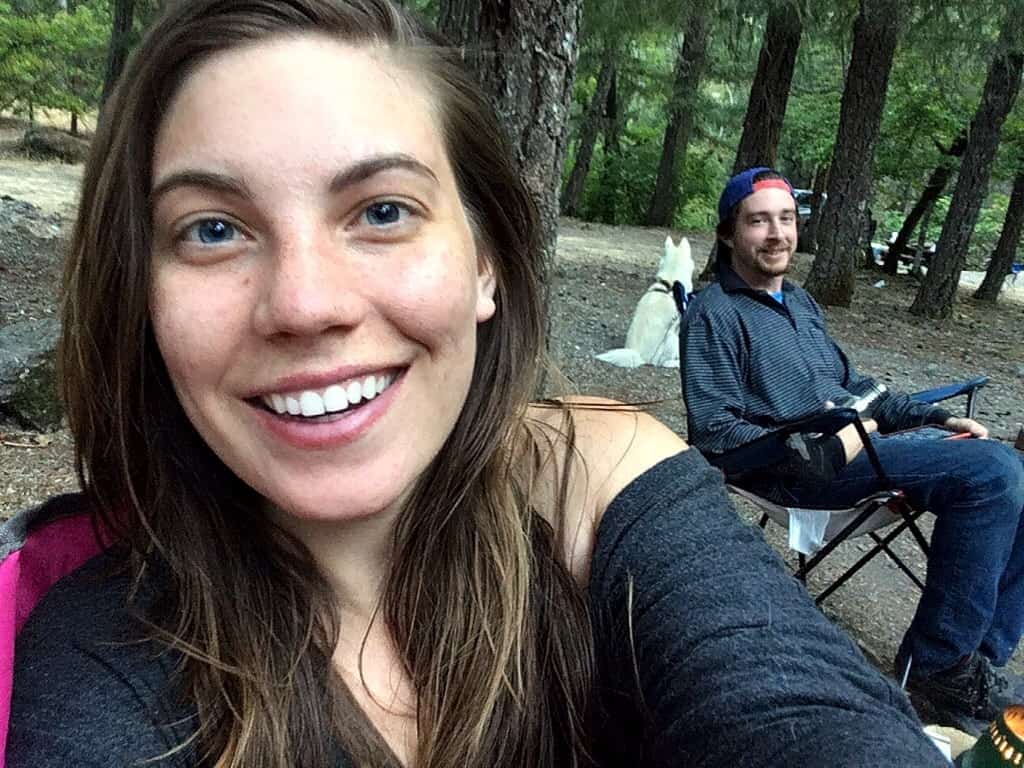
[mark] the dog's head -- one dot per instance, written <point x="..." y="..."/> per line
<point x="677" y="264"/>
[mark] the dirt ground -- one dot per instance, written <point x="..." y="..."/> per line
<point x="601" y="273"/>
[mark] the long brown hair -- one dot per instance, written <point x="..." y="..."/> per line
<point x="489" y="624"/>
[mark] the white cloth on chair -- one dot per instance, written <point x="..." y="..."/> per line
<point x="807" y="529"/>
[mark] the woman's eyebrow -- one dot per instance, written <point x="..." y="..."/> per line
<point x="370" y="166"/>
<point x="355" y="173"/>
<point x="219" y="182"/>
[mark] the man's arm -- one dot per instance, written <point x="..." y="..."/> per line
<point x="713" y="386"/>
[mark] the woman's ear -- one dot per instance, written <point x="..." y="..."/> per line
<point x="485" y="287"/>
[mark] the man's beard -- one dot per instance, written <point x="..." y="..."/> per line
<point x="772" y="269"/>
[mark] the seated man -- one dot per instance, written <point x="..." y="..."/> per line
<point x="755" y="355"/>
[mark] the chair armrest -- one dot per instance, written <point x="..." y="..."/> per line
<point x="769" y="449"/>
<point x="938" y="394"/>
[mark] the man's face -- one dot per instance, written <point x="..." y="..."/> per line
<point x="764" y="238"/>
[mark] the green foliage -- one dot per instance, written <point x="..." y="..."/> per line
<point x="934" y="88"/>
<point x="53" y="60"/>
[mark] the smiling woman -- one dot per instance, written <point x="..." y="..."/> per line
<point x="301" y="333"/>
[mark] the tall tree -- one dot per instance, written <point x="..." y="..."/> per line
<point x="809" y="236"/>
<point x="1006" y="249"/>
<point x="596" y="115"/>
<point x="606" y="205"/>
<point x="876" y="33"/>
<point x="938" y="289"/>
<point x="934" y="187"/>
<point x="769" y="93"/>
<point x="524" y="53"/>
<point x="122" y="14"/>
<point x="689" y="72"/>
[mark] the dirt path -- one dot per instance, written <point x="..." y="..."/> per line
<point x="52" y="187"/>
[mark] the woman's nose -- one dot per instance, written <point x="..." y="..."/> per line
<point x="309" y="287"/>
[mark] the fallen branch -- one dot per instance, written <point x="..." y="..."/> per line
<point x="12" y="444"/>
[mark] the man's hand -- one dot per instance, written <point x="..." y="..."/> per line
<point x="961" y="424"/>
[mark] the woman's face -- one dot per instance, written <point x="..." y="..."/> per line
<point x="316" y="286"/>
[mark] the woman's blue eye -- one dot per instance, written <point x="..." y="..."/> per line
<point x="211" y="231"/>
<point x="383" y="214"/>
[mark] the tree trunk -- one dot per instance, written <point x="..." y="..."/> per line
<point x="875" y="35"/>
<point x="819" y="185"/>
<point x="932" y="190"/>
<point x="592" y="121"/>
<point x="938" y="289"/>
<point x="1006" y="249"/>
<point x="922" y="235"/>
<point x="607" y="203"/>
<point x="766" y="105"/>
<point x="769" y="93"/>
<point x="689" y="72"/>
<point x="122" y="16"/>
<point x="524" y="54"/>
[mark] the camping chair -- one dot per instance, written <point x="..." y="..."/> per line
<point x="38" y="547"/>
<point x="831" y="527"/>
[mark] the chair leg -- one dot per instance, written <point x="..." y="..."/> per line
<point x="882" y="545"/>
<point x="801" y="574"/>
<point x="763" y="522"/>
<point x="835" y="541"/>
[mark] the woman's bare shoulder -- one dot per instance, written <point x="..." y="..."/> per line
<point x="618" y="442"/>
<point x="603" y="445"/>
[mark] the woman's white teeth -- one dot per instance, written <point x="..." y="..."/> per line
<point x="337" y="397"/>
<point x="312" y="404"/>
<point x="370" y="387"/>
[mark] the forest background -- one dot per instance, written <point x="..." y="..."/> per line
<point x="901" y="116"/>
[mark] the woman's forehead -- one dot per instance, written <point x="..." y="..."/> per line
<point x="299" y="102"/>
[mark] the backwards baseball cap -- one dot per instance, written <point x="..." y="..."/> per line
<point x="742" y="185"/>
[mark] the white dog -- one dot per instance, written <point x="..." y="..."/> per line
<point x="653" y="336"/>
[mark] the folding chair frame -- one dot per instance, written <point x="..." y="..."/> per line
<point x="907" y="520"/>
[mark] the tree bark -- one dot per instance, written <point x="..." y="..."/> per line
<point x="688" y="74"/>
<point x="769" y="93"/>
<point x="819" y="186"/>
<point x="595" y="116"/>
<point x="607" y="203"/>
<point x="524" y="54"/>
<point x="922" y="235"/>
<point x="1001" y="263"/>
<point x="932" y="190"/>
<point x="876" y="33"/>
<point x="122" y="17"/>
<point x="458" y="19"/>
<point x="938" y="289"/>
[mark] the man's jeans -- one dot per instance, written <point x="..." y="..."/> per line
<point x="974" y="591"/>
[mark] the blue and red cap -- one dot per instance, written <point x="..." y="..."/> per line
<point x="742" y="185"/>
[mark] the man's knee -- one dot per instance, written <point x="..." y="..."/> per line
<point x="995" y="471"/>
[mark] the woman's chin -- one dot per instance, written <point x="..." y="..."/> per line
<point x="322" y="509"/>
